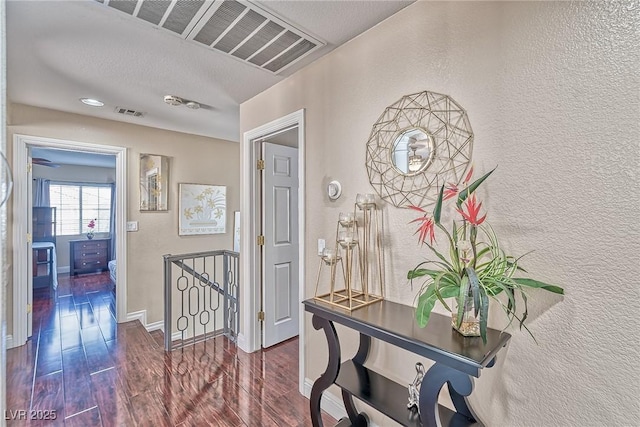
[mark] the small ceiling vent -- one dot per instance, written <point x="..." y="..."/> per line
<point x="237" y="28"/>
<point x="129" y="112"/>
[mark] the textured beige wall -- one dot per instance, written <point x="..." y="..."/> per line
<point x="551" y="89"/>
<point x="194" y="159"/>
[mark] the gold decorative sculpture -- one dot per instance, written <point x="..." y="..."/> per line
<point x="358" y="250"/>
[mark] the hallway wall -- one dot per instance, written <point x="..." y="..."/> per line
<point x="551" y="90"/>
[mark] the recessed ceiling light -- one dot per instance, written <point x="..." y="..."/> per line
<point x="92" y="102"/>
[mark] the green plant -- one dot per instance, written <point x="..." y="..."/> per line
<point x="476" y="268"/>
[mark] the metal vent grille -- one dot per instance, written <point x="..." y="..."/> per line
<point x="153" y="11"/>
<point x="129" y="112"/>
<point x="226" y="14"/>
<point x="238" y="28"/>
<point x="245" y="26"/>
<point x="126" y="6"/>
<point x="259" y="40"/>
<point x="290" y="56"/>
<point x="274" y="49"/>
<point x="181" y="14"/>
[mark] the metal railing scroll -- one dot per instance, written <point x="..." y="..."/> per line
<point x="201" y="294"/>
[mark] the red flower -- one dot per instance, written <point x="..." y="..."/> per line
<point x="473" y="210"/>
<point x="92" y="223"/>
<point x="468" y="177"/>
<point x="450" y="191"/>
<point x="427" y="226"/>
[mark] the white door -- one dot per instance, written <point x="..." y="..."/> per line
<point x="280" y="293"/>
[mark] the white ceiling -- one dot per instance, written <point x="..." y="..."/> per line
<point x="60" y="51"/>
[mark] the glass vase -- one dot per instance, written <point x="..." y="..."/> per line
<point x="90" y="235"/>
<point x="470" y="324"/>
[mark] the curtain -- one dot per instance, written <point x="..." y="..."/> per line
<point x="112" y="221"/>
<point x="41" y="192"/>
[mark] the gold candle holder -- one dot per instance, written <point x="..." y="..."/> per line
<point x="354" y="240"/>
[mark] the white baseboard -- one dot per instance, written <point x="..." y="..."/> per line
<point x="330" y="403"/>
<point x="242" y="343"/>
<point x="155" y="326"/>
<point x="159" y="325"/>
<point x="138" y="315"/>
<point x="142" y="317"/>
<point x="9" y="341"/>
<point x="64" y="269"/>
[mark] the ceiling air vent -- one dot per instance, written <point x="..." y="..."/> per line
<point x="129" y="112"/>
<point x="237" y="28"/>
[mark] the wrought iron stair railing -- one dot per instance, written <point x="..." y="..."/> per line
<point x="203" y="298"/>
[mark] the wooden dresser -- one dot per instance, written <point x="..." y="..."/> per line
<point x="88" y="256"/>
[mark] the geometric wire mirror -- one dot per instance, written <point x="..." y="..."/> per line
<point x="418" y="144"/>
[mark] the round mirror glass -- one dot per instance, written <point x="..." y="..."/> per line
<point x="412" y="151"/>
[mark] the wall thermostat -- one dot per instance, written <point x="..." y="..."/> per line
<point x="334" y="190"/>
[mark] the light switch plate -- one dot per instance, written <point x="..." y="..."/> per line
<point x="321" y="245"/>
<point x="132" y="225"/>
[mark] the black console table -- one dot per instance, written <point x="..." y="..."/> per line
<point x="457" y="359"/>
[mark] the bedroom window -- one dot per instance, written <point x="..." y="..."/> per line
<point x="77" y="204"/>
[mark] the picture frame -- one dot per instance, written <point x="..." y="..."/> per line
<point x="154" y="183"/>
<point x="202" y="209"/>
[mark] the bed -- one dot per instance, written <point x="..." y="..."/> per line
<point x="112" y="270"/>
<point x="45" y="266"/>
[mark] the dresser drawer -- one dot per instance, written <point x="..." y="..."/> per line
<point x="88" y="256"/>
<point x="90" y="264"/>
<point x="90" y="245"/>
<point x="88" y="252"/>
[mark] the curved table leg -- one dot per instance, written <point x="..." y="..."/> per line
<point x="460" y="386"/>
<point x="358" y="419"/>
<point x="363" y="350"/>
<point x="330" y="374"/>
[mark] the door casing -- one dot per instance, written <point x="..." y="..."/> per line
<point x="249" y="336"/>
<point x="21" y="287"/>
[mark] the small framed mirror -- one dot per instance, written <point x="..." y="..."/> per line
<point x="412" y="151"/>
<point x="154" y="183"/>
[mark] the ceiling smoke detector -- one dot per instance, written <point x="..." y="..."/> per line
<point x="176" y="100"/>
<point x="173" y="100"/>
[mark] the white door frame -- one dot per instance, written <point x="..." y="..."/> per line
<point x="21" y="143"/>
<point x="249" y="337"/>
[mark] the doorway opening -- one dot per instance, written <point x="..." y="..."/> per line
<point x="73" y="216"/>
<point x="255" y="222"/>
<point x="64" y="180"/>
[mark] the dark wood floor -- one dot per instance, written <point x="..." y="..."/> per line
<point x="86" y="370"/>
